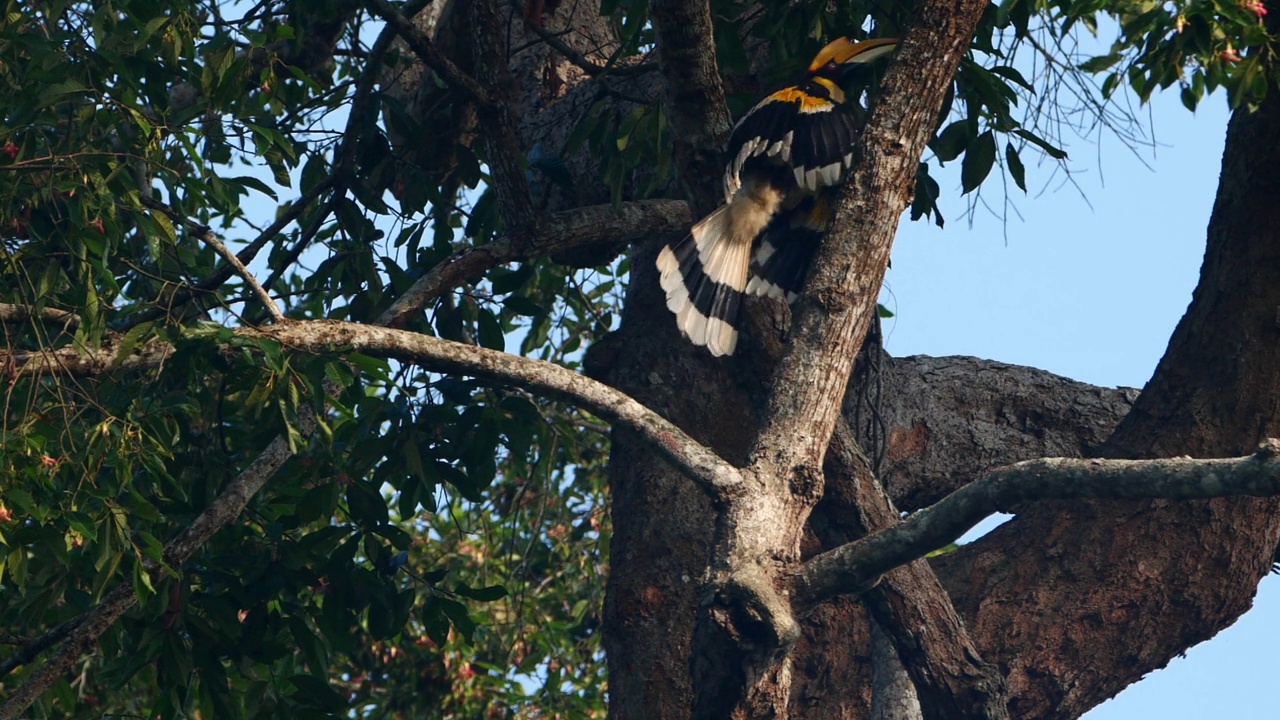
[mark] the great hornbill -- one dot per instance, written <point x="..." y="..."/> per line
<point x="788" y="155"/>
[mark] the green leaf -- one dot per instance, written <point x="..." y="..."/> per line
<point x="953" y="140"/>
<point x="457" y="614"/>
<point x="1014" y="163"/>
<point x="1052" y="150"/>
<point x="256" y="184"/>
<point x="142" y="586"/>
<point x="1100" y="63"/>
<point x="489" y="593"/>
<point x="366" y="504"/>
<point x="977" y="162"/>
<point x="1188" y="98"/>
<point x="130" y="342"/>
<point x="491" y="335"/>
<point x="315" y="693"/>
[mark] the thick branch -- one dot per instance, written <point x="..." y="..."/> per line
<point x="430" y="55"/>
<point x="695" y="104"/>
<point x="832" y="320"/>
<point x="87" y="361"/>
<point x="851" y="567"/>
<point x="559" y="233"/>
<point x="22" y="313"/>
<point x="716" y="476"/>
<point x="839" y="302"/>
<point x="909" y="604"/>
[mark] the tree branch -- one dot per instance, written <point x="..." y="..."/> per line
<point x="10" y="313"/>
<point x="254" y="286"/>
<point x="831" y="322"/>
<point x="362" y="102"/>
<point x="909" y="604"/>
<point x="87" y="361"/>
<point x="90" y="626"/>
<point x="715" y="475"/>
<point x="559" y="233"/>
<point x="245" y="256"/>
<point x="839" y="302"/>
<point x="430" y="55"/>
<point x="498" y="122"/>
<point x="852" y="566"/>
<point x="695" y="104"/>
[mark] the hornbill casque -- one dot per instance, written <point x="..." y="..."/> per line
<point x="787" y="158"/>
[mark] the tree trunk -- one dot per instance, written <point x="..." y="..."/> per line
<point x="1078" y="600"/>
<point x="1071" y="601"/>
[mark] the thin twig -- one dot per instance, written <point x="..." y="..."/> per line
<point x="267" y="302"/>
<point x="245" y="256"/>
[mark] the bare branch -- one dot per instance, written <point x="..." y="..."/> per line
<point x="839" y="302"/>
<point x="852" y="566"/>
<point x="831" y="321"/>
<point x="87" y="361"/>
<point x="21" y="313"/>
<point x="716" y="476"/>
<point x="909" y="605"/>
<point x="30" y="648"/>
<point x="245" y="256"/>
<point x="559" y="233"/>
<point x="267" y="302"/>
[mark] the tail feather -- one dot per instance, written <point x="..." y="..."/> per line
<point x="704" y="276"/>
<point x="786" y="248"/>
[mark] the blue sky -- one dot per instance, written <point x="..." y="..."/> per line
<point x="1091" y="286"/>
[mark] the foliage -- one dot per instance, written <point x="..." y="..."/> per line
<point x="438" y="548"/>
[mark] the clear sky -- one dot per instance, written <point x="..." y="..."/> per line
<point x="1091" y="287"/>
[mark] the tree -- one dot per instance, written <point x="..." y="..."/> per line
<point x="290" y="485"/>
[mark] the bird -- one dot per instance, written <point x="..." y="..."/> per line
<point x="787" y="157"/>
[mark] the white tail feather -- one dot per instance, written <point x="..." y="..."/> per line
<point x="723" y="243"/>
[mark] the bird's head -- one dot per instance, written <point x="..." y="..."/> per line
<point x="843" y="55"/>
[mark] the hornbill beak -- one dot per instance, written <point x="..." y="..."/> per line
<point x="842" y="55"/>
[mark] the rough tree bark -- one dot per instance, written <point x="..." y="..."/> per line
<point x="1131" y="585"/>
<point x="947" y="421"/>
<point x="1215" y="394"/>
